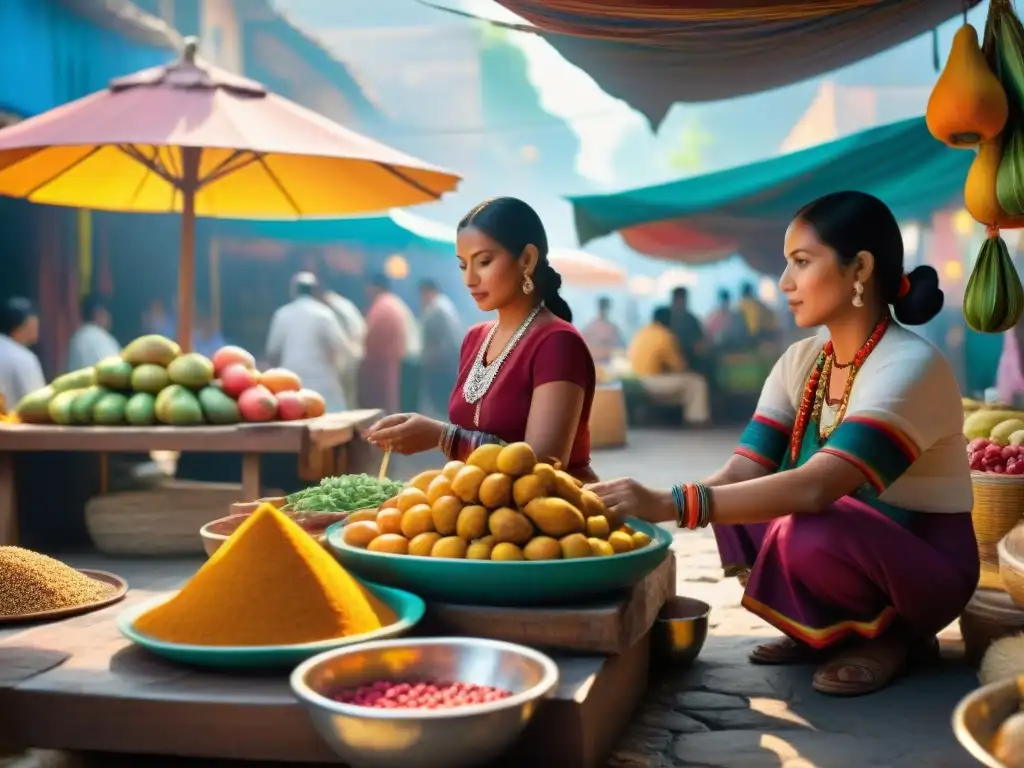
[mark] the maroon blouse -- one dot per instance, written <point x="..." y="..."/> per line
<point x="552" y="351"/>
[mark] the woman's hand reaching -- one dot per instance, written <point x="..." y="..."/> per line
<point x="625" y="497"/>
<point x="406" y="433"/>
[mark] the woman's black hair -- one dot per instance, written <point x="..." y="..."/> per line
<point x="851" y="222"/>
<point x="514" y="225"/>
<point x="13" y="314"/>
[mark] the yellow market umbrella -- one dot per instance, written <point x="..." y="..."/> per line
<point x="191" y="138"/>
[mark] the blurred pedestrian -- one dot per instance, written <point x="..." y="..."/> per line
<point x="92" y="341"/>
<point x="442" y="340"/>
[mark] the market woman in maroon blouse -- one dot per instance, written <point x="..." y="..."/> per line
<point x="526" y="376"/>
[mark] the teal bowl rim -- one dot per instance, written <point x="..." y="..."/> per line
<point x="390" y="595"/>
<point x="661" y="540"/>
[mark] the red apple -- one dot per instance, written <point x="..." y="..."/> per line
<point x="231" y="355"/>
<point x="290" y="406"/>
<point x="257" y="404"/>
<point x="236" y="378"/>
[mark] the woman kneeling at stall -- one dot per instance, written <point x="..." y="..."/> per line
<point x="527" y="376"/>
<point x="846" y="506"/>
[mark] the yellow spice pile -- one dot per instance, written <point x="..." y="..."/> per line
<point x="271" y="583"/>
<point x="30" y="582"/>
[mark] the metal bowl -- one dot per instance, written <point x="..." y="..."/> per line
<point x="978" y="716"/>
<point x="680" y="631"/>
<point x="455" y="738"/>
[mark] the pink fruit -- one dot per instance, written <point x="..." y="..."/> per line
<point x="976" y="443"/>
<point x="231" y="355"/>
<point x="236" y="379"/>
<point x="257" y="404"/>
<point x="1009" y="451"/>
<point x="290" y="406"/>
<point x="993" y="450"/>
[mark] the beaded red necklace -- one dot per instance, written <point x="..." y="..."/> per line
<point x="817" y="383"/>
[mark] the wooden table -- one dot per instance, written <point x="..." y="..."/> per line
<point x="77" y="685"/>
<point x="334" y="431"/>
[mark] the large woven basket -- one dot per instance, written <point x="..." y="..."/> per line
<point x="162" y="521"/>
<point x="998" y="507"/>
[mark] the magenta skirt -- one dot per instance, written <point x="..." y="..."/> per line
<point x="851" y="570"/>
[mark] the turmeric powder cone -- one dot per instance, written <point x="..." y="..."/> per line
<point x="270" y="583"/>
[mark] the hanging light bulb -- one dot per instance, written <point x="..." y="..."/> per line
<point x="963" y="223"/>
<point x="396" y="267"/>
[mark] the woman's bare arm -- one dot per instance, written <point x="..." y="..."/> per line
<point x="737" y="469"/>
<point x="555" y="412"/>
<point x="808" y="489"/>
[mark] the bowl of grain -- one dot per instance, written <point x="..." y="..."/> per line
<point x="216" y="532"/>
<point x="34" y="587"/>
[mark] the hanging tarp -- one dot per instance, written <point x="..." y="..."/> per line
<point x="746" y="210"/>
<point x="653" y="53"/>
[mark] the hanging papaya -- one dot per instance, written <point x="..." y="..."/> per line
<point x="994" y="297"/>
<point x="968" y="104"/>
<point x="980" y="196"/>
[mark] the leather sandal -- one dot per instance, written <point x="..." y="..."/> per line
<point x="870" y="675"/>
<point x="783" y="651"/>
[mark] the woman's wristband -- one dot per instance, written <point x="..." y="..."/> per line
<point x="693" y="505"/>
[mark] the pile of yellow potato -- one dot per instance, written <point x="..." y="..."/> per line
<point x="500" y="504"/>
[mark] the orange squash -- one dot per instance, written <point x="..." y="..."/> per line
<point x="980" y="189"/>
<point x="968" y="105"/>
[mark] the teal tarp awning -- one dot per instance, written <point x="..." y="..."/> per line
<point x="746" y="210"/>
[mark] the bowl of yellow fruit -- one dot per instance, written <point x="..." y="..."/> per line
<point x="501" y="528"/>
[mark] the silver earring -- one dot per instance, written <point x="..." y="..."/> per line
<point x="527" y="285"/>
<point x="858" y="294"/>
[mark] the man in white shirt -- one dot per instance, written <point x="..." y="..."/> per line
<point x="92" y="341"/>
<point x="306" y="337"/>
<point x="354" y="327"/>
<point x="20" y="371"/>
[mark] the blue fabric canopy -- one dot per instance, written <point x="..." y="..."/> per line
<point x="746" y="210"/>
<point x="52" y="55"/>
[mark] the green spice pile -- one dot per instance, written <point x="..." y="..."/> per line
<point x="346" y="493"/>
<point x="30" y="582"/>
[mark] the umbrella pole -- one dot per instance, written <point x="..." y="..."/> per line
<point x="187" y="257"/>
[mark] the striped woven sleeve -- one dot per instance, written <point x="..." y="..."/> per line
<point x="766" y="437"/>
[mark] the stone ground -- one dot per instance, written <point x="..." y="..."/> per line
<point x="726" y="713"/>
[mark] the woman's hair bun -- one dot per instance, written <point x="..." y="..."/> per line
<point x="923" y="301"/>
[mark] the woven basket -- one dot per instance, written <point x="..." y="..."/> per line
<point x="998" y="507"/>
<point x="163" y="521"/>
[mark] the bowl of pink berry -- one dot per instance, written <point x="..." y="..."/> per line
<point x="456" y="702"/>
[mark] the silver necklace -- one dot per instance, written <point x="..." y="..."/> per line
<point x="482" y="376"/>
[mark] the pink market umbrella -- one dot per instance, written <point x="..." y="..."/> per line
<point x="191" y="138"/>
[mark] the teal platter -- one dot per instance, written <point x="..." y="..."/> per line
<point x="506" y="583"/>
<point x="407" y="607"/>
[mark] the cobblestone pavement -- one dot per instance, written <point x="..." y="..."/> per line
<point x="725" y="712"/>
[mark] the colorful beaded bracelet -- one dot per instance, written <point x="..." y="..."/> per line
<point x="693" y="505"/>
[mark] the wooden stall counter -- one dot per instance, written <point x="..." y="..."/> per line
<point x="79" y="686"/>
<point x="332" y="435"/>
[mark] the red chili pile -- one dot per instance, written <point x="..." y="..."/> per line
<point x="419" y="694"/>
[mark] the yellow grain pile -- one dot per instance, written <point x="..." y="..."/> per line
<point x="30" y="582"/>
<point x="271" y="583"/>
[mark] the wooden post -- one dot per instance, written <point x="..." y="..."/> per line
<point x="190" y="157"/>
